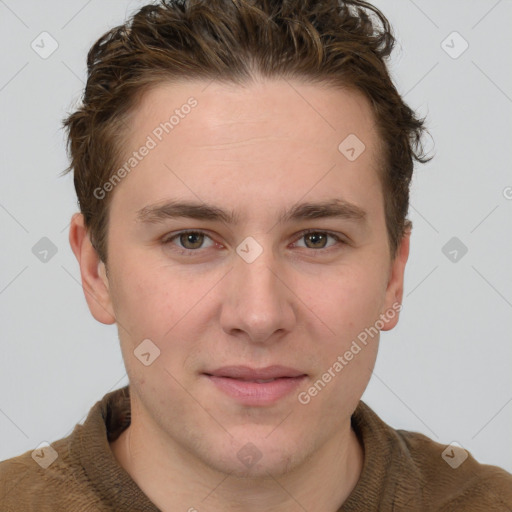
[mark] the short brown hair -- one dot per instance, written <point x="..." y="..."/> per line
<point x="342" y="43"/>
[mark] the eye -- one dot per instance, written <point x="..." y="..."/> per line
<point x="318" y="239"/>
<point x="190" y="240"/>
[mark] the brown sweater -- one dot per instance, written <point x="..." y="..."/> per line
<point x="402" y="471"/>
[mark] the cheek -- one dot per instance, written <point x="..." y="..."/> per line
<point x="347" y="355"/>
<point x="159" y="302"/>
<point x="149" y="304"/>
<point x="353" y="299"/>
<point x="138" y="295"/>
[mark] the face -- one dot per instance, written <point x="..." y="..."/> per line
<point x="253" y="290"/>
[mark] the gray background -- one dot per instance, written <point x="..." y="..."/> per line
<point x="444" y="371"/>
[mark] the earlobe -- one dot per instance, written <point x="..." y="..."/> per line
<point x="395" y="287"/>
<point x="92" y="272"/>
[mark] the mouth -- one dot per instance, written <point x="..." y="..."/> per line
<point x="256" y="387"/>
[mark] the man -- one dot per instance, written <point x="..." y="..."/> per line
<point x="243" y="170"/>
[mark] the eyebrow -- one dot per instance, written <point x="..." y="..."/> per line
<point x="334" y="208"/>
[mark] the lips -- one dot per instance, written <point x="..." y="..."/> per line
<point x="246" y="373"/>
<point x="256" y="387"/>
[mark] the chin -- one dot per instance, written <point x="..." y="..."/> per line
<point x="261" y="459"/>
<point x="262" y="470"/>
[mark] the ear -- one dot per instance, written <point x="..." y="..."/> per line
<point x="395" y="287"/>
<point x="92" y="270"/>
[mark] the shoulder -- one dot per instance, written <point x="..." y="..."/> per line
<point x="43" y="479"/>
<point x="453" y="478"/>
<point x="409" y="471"/>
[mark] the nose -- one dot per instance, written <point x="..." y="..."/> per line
<point x="258" y="303"/>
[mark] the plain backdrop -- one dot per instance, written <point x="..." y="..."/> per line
<point x="445" y="370"/>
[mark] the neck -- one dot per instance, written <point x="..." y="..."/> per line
<point x="173" y="479"/>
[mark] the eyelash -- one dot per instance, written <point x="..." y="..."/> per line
<point x="189" y="252"/>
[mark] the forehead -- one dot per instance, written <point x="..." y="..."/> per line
<point x="270" y="138"/>
<point x="278" y="103"/>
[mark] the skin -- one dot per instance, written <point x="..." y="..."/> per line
<point x="254" y="149"/>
